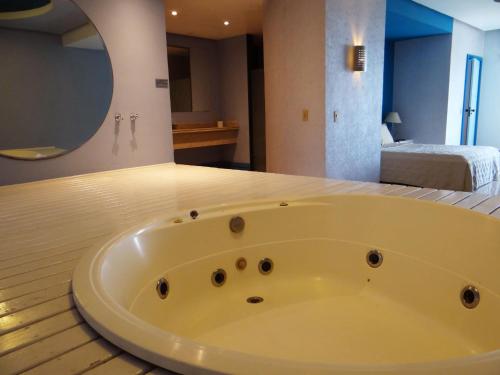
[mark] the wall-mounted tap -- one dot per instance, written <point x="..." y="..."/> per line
<point x="134" y="116"/>
<point x="118" y="117"/>
<point x="116" y="146"/>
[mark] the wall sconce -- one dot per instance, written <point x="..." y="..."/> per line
<point x="359" y="59"/>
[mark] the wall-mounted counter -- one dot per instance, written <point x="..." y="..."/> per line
<point x="204" y="135"/>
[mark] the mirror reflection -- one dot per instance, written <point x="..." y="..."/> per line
<point x="56" y="80"/>
<point x="180" y="79"/>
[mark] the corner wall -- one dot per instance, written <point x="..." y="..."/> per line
<point x="465" y="40"/>
<point x="134" y="33"/>
<point x="353" y="142"/>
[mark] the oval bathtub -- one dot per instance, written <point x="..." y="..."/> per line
<point x="333" y="285"/>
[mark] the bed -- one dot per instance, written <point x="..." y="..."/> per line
<point x="464" y="168"/>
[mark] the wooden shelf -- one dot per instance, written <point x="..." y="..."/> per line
<point x="204" y="135"/>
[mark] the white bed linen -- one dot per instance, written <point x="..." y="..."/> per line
<point x="464" y="168"/>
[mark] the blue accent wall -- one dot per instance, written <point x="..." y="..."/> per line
<point x="388" y="78"/>
<point x="406" y="19"/>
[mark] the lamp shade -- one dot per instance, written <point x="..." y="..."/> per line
<point x="393" y="118"/>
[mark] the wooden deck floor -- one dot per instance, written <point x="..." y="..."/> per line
<point x="46" y="226"/>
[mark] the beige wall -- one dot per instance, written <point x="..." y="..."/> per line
<point x="134" y="33"/>
<point x="294" y="68"/>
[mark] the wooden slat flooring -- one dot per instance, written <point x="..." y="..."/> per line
<point x="35" y="298"/>
<point x="420" y="193"/>
<point x="78" y="360"/>
<point x="47" y="349"/>
<point x="37" y="331"/>
<point x="46" y="226"/>
<point x="488" y="206"/>
<point x="455" y="197"/>
<point x="437" y="195"/>
<point x="122" y="364"/>
<point x="35" y="313"/>
<point x="472" y="200"/>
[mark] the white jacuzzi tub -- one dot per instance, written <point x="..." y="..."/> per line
<point x="332" y="285"/>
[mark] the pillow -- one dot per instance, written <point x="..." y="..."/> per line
<point x="386" y="135"/>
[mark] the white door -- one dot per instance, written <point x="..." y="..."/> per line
<point x="471" y="100"/>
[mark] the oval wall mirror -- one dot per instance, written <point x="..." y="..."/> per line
<point x="56" y="80"/>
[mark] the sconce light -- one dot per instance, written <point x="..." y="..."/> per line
<point x="359" y="59"/>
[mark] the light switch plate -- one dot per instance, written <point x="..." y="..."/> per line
<point x="305" y="115"/>
<point x="335" y="116"/>
<point x="161" y="83"/>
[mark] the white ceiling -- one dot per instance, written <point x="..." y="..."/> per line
<point x="204" y="18"/>
<point x="483" y="14"/>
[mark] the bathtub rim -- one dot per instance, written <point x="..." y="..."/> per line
<point x="94" y="303"/>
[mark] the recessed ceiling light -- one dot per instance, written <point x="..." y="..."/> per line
<point x="174" y="13"/>
<point x="226" y="23"/>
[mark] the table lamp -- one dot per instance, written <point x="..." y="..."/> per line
<point x="392" y="118"/>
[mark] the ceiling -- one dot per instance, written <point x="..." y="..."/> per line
<point x="205" y="18"/>
<point x="64" y="16"/>
<point x="483" y="14"/>
<point x="406" y="19"/>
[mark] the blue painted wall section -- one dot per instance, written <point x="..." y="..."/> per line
<point x="406" y="19"/>
<point x="387" y="99"/>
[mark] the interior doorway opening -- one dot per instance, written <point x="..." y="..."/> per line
<point x="472" y="91"/>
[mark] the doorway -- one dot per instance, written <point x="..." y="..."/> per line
<point x="256" y="102"/>
<point x="471" y="100"/>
